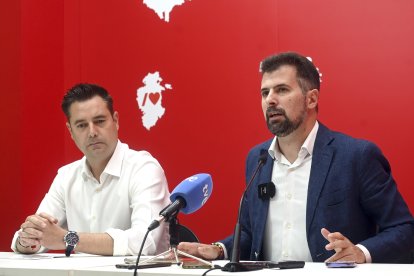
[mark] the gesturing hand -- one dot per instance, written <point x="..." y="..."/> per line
<point x="345" y="250"/>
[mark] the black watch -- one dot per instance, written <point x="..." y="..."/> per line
<point x="71" y="239"/>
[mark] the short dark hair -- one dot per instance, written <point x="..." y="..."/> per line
<point x="307" y="74"/>
<point x="85" y="91"/>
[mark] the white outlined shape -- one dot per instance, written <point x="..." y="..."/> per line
<point x="149" y="99"/>
<point x="163" y="8"/>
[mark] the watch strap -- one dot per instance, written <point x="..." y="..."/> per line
<point x="69" y="249"/>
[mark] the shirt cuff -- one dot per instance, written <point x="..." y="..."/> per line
<point x="120" y="241"/>
<point x="225" y="255"/>
<point x="366" y="253"/>
<point x="14" y="245"/>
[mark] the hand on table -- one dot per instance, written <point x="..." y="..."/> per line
<point x="204" y="251"/>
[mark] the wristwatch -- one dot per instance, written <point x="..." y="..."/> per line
<point x="71" y="239"/>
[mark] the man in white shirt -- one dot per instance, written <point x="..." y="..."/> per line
<point x="103" y="203"/>
<point x="324" y="181"/>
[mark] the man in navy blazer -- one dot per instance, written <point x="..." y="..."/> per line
<point x="340" y="184"/>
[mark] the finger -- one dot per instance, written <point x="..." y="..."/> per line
<point x="48" y="217"/>
<point x="325" y="233"/>
<point x="337" y="245"/>
<point x="341" y="256"/>
<point x="335" y="257"/>
<point x="28" y="242"/>
<point x="35" y="221"/>
<point x="30" y="233"/>
<point x="336" y="236"/>
<point x="338" y="256"/>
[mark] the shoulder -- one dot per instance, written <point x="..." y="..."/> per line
<point x="73" y="167"/>
<point x="346" y="147"/>
<point x="257" y="150"/>
<point x="140" y="164"/>
<point x="139" y="158"/>
<point x="142" y="172"/>
<point x="343" y="142"/>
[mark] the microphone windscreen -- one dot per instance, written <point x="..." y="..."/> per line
<point x="263" y="156"/>
<point x="195" y="190"/>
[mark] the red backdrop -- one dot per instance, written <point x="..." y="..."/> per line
<point x="209" y="52"/>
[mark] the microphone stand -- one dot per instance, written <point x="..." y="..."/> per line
<point x="234" y="265"/>
<point x="174" y="241"/>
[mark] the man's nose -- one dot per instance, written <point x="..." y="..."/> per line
<point x="92" y="130"/>
<point x="271" y="98"/>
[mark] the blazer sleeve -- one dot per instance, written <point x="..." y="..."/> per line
<point x="381" y="201"/>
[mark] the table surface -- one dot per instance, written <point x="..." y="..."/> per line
<point x="83" y="264"/>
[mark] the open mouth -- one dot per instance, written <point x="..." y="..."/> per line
<point x="273" y="114"/>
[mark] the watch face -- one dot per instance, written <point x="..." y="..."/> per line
<point x="72" y="238"/>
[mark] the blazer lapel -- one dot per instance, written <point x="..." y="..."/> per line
<point x="321" y="162"/>
<point x="261" y="207"/>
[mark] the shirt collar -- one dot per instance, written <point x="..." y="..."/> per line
<point x="114" y="165"/>
<point x="307" y="146"/>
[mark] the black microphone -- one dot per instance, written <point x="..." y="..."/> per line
<point x="234" y="265"/>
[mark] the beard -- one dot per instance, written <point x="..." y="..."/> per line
<point x="286" y="126"/>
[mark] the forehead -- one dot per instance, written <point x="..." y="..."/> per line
<point x="285" y="74"/>
<point x="88" y="109"/>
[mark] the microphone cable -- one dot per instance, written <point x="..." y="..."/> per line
<point x="140" y="251"/>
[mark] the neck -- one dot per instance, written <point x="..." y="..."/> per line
<point x="97" y="167"/>
<point x="290" y="145"/>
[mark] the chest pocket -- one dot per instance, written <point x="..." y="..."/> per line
<point x="334" y="198"/>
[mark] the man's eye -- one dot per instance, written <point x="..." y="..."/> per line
<point x="99" y="122"/>
<point x="81" y="126"/>
<point x="265" y="93"/>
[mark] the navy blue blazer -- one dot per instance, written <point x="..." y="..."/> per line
<point x="350" y="190"/>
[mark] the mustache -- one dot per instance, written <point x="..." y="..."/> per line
<point x="274" y="110"/>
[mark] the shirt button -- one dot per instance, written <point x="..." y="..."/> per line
<point x="288" y="226"/>
<point x="289" y="196"/>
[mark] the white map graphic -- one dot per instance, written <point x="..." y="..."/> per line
<point x="149" y="99"/>
<point x="163" y="8"/>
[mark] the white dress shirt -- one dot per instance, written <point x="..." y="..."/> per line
<point x="129" y="196"/>
<point x="285" y="232"/>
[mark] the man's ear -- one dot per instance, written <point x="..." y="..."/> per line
<point x="116" y="119"/>
<point x="69" y="128"/>
<point x="312" y="98"/>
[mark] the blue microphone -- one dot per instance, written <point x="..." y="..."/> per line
<point x="187" y="197"/>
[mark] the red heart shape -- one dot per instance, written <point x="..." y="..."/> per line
<point x="154" y="97"/>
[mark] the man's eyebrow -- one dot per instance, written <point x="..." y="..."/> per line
<point x="281" y="85"/>
<point x="99" y="117"/>
<point x="79" y="121"/>
<point x="94" y="118"/>
<point x="276" y="86"/>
